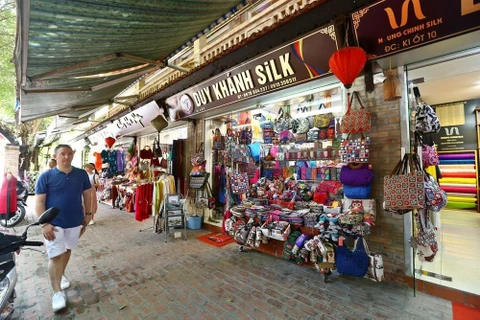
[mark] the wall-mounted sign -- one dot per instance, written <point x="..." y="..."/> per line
<point x="390" y="26"/>
<point x="460" y="136"/>
<point x="297" y="62"/>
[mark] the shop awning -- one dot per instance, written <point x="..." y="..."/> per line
<point x="74" y="56"/>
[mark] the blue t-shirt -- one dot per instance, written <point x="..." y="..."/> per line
<point x="65" y="192"/>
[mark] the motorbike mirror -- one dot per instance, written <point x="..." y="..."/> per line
<point x="48" y="215"/>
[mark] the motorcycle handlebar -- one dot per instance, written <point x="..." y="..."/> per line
<point x="33" y="243"/>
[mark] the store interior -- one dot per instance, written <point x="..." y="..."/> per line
<point x="248" y="125"/>
<point x="457" y="264"/>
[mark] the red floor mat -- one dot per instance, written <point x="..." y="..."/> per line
<point x="461" y="312"/>
<point x="216" y="239"/>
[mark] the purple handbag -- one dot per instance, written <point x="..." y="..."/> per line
<point x="356" y="174"/>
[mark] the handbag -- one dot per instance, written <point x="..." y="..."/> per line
<point x="218" y="140"/>
<point x="355" y="120"/>
<point x="322" y="120"/>
<point x="157" y="150"/>
<point x="357" y="192"/>
<point x="426" y="238"/>
<point x="375" y="270"/>
<point x="356" y="174"/>
<point x="426" y="120"/>
<point x="355" y="150"/>
<point x="198" y="157"/>
<point x="435" y="198"/>
<point x="353" y="263"/>
<point x="198" y="182"/>
<point x="164" y="163"/>
<point x="198" y="170"/>
<point x="283" y="121"/>
<point x="404" y="190"/>
<point x="429" y="156"/>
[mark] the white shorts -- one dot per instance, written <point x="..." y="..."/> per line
<point x="65" y="239"/>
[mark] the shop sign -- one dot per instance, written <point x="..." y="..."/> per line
<point x="294" y="63"/>
<point x="461" y="136"/>
<point x="135" y="120"/>
<point x="390" y="26"/>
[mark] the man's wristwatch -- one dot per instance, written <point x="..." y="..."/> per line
<point x="88" y="213"/>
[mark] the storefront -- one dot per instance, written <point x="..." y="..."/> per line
<point x="135" y="153"/>
<point x="435" y="50"/>
<point x="234" y="103"/>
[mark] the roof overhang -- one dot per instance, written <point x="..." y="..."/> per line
<point x="74" y="56"/>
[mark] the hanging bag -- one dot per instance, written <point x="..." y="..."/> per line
<point x="356" y="174"/>
<point x="435" y="198"/>
<point x="218" y="140"/>
<point x="353" y="263"/>
<point x="198" y="157"/>
<point x="355" y="120"/>
<point x="404" y="190"/>
<point x="375" y="266"/>
<point x="157" y="150"/>
<point x="322" y="120"/>
<point x="426" y="120"/>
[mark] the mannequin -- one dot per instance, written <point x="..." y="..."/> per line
<point x="8" y="196"/>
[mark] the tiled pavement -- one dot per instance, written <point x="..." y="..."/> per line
<point x="120" y="273"/>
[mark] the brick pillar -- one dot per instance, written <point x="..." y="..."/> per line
<point x="387" y="237"/>
<point x="11" y="159"/>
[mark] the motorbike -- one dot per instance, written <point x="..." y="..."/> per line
<point x="22" y="196"/>
<point x="9" y="244"/>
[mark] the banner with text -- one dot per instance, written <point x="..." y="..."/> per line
<point x="390" y="26"/>
<point x="297" y="62"/>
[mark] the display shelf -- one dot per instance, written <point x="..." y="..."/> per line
<point x="460" y="178"/>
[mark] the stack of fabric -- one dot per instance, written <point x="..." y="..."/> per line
<point x="459" y="179"/>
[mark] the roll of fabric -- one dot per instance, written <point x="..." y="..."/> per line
<point x="458" y="166"/>
<point x="458" y="174"/>
<point x="458" y="185"/>
<point x="458" y="180"/>
<point x="460" y="205"/>
<point x="459" y="194"/>
<point x="457" y="161"/>
<point x="459" y="189"/>
<point x="462" y="199"/>
<point x="456" y="156"/>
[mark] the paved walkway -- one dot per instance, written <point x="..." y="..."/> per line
<point x="120" y="273"/>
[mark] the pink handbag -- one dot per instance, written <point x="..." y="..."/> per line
<point x="355" y="120"/>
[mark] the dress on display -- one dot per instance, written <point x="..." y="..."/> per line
<point x="8" y="197"/>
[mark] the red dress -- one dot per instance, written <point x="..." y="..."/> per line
<point x="8" y="197"/>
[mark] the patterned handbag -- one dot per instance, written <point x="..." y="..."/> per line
<point x="218" y="140"/>
<point x="198" y="157"/>
<point x="426" y="238"/>
<point x="355" y="120"/>
<point x="429" y="156"/>
<point x="322" y="120"/>
<point x="435" y="198"/>
<point x="404" y="190"/>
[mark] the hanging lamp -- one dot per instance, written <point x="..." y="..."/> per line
<point x="392" y="90"/>
<point x="347" y="63"/>
<point x="110" y="141"/>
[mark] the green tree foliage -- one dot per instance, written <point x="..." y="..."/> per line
<point x="7" y="69"/>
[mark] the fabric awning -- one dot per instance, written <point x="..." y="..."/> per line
<point x="73" y="56"/>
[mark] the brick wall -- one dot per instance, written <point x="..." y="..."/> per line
<point x="11" y="159"/>
<point x="387" y="237"/>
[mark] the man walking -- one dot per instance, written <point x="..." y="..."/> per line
<point x="65" y="187"/>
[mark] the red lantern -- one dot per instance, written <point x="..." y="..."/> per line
<point x="110" y="141"/>
<point x="347" y="63"/>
